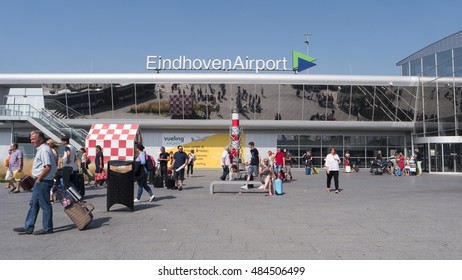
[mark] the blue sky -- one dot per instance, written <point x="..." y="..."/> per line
<point x="102" y="36"/>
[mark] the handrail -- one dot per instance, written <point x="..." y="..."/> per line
<point x="71" y="113"/>
<point x="45" y="118"/>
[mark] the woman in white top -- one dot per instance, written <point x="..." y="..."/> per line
<point x="190" y="166"/>
<point x="331" y="164"/>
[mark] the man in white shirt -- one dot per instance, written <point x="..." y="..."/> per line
<point x="69" y="161"/>
<point x="225" y="163"/>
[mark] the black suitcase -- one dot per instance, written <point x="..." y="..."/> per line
<point x="170" y="183"/>
<point x="78" y="181"/>
<point x="158" y="182"/>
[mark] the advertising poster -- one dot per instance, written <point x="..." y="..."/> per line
<point x="207" y="147"/>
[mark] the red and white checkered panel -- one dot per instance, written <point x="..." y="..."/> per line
<point x="116" y="140"/>
<point x="176" y="104"/>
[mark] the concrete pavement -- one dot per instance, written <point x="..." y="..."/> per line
<point x="374" y="217"/>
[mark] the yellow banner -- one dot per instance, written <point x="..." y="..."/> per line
<point x="207" y="150"/>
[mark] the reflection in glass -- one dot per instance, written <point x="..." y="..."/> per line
<point x="458" y="62"/>
<point x="405" y="69"/>
<point x="446" y="109"/>
<point x="430" y="116"/>
<point x="416" y="68"/>
<point x="429" y="66"/>
<point x="444" y="60"/>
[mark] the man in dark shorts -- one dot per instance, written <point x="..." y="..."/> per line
<point x="253" y="165"/>
<point x="180" y="160"/>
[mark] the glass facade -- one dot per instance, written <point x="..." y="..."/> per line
<point x="216" y="101"/>
<point x="447" y="63"/>
<point x="362" y="148"/>
<point x="439" y="110"/>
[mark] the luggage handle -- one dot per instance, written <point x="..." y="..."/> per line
<point x="88" y="206"/>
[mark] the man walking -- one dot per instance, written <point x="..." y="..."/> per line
<point x="280" y="160"/>
<point x="163" y="160"/>
<point x="225" y="163"/>
<point x="43" y="172"/>
<point x="253" y="165"/>
<point x="180" y="160"/>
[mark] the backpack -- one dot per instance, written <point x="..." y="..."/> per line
<point x="150" y="163"/>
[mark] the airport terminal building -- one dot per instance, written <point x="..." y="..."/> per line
<point x="297" y="112"/>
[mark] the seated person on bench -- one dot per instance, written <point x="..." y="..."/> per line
<point x="266" y="176"/>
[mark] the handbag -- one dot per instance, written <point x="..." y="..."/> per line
<point x="18" y="175"/>
<point x="100" y="177"/>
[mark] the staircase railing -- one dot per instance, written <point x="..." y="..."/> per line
<point x="47" y="121"/>
<point x="61" y="109"/>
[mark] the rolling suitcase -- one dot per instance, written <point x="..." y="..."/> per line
<point x="158" y="182"/>
<point x="170" y="182"/>
<point x="80" y="213"/>
<point x="308" y="170"/>
<point x="27" y="183"/>
<point x="278" y="186"/>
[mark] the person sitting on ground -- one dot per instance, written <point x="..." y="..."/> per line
<point x="266" y="176"/>
<point x="233" y="175"/>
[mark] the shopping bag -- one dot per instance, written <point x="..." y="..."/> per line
<point x="18" y="175"/>
<point x="100" y="177"/>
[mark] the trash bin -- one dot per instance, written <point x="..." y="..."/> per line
<point x="120" y="183"/>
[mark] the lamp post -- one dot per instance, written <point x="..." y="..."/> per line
<point x="307" y="42"/>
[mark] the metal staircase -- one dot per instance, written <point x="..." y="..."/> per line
<point x="45" y="121"/>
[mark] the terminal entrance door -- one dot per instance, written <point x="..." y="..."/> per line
<point x="436" y="158"/>
<point x="452" y="157"/>
<point x="443" y="157"/>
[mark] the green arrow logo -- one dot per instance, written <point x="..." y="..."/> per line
<point x="301" y="61"/>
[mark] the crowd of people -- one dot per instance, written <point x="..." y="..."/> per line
<point x="50" y="169"/>
<point x="172" y="168"/>
<point x="399" y="165"/>
<point x="267" y="169"/>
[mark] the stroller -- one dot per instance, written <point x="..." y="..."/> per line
<point x="377" y="167"/>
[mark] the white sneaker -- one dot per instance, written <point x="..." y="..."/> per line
<point x="261" y="187"/>
<point x="136" y="200"/>
<point x="152" y="198"/>
<point x="245" y="187"/>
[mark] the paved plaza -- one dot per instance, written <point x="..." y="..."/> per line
<point x="374" y="217"/>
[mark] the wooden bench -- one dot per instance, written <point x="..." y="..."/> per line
<point x="256" y="184"/>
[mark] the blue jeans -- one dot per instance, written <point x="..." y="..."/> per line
<point x="225" y="172"/>
<point x="278" y="169"/>
<point x="143" y="184"/>
<point x="40" y="200"/>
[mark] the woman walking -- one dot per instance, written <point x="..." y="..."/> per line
<point x="142" y="180"/>
<point x="84" y="163"/>
<point x="331" y="164"/>
<point x="190" y="166"/>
